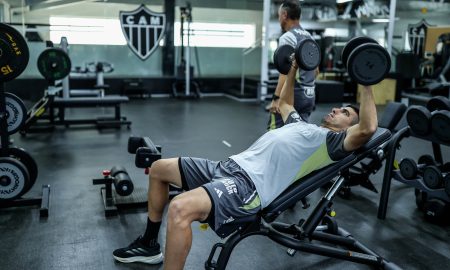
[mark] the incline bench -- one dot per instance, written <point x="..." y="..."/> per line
<point x="299" y="236"/>
<point x="88" y="102"/>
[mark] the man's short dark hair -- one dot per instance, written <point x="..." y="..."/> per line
<point x="292" y="8"/>
<point x="356" y="108"/>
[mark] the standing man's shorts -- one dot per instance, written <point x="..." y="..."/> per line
<point x="233" y="195"/>
<point x="304" y="102"/>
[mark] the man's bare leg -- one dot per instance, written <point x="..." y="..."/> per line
<point x="162" y="173"/>
<point x="190" y="206"/>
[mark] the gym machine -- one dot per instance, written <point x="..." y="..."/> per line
<point x="181" y="88"/>
<point x="125" y="195"/>
<point x="18" y="170"/>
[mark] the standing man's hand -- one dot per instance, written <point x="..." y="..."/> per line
<point x="275" y="106"/>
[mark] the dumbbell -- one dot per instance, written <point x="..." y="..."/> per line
<point x="434" y="175"/>
<point x="437" y="211"/>
<point x="447" y="184"/>
<point x="122" y="181"/>
<point x="438" y="103"/>
<point x="367" y="62"/>
<point x="439" y="107"/>
<point x="419" y="119"/>
<point x="307" y="56"/>
<point x="409" y="169"/>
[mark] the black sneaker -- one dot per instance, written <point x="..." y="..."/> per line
<point x="137" y="252"/>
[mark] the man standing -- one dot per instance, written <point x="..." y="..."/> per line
<point x="289" y="17"/>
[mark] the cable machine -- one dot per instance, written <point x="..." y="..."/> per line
<point x="184" y="86"/>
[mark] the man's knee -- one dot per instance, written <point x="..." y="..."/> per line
<point x="180" y="214"/>
<point x="183" y="210"/>
<point x="162" y="170"/>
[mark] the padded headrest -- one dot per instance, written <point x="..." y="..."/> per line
<point x="309" y="183"/>
<point x="392" y="115"/>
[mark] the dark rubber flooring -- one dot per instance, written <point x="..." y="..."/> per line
<point x="76" y="235"/>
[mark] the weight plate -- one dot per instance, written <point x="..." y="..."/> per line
<point x="16" y="112"/>
<point x="426" y="159"/>
<point x="54" y="64"/>
<point x="408" y="168"/>
<point x="421" y="198"/>
<point x="14" y="54"/>
<point x="436" y="211"/>
<point x="352" y="44"/>
<point x="438" y="103"/>
<point x="13" y="178"/>
<point x="307" y="54"/>
<point x="368" y="64"/>
<point x="432" y="177"/>
<point x="440" y="125"/>
<point x="418" y="118"/>
<point x="447" y="184"/>
<point x="29" y="163"/>
<point x="281" y="58"/>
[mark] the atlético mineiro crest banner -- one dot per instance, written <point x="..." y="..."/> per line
<point x="143" y="29"/>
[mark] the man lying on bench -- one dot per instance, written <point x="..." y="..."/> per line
<point x="226" y="192"/>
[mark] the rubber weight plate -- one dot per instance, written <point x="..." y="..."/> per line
<point x="447" y="184"/>
<point x="408" y="168"/>
<point x="418" y="118"/>
<point x="368" y="64"/>
<point x="14" y="54"/>
<point x="426" y="159"/>
<point x="54" y="64"/>
<point x="352" y="44"/>
<point x="307" y="54"/>
<point x="438" y="103"/>
<point x="282" y="58"/>
<point x="440" y="125"/>
<point x="13" y="178"/>
<point x="29" y="163"/>
<point x="16" y="112"/>
<point x="432" y="177"/>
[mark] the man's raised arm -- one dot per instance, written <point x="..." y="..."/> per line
<point x="360" y="133"/>
<point x="287" y="93"/>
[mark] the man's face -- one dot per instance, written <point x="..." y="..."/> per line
<point x="282" y="17"/>
<point x="340" y="118"/>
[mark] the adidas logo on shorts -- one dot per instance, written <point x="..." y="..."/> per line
<point x="219" y="192"/>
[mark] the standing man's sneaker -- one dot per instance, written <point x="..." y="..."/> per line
<point x="137" y="252"/>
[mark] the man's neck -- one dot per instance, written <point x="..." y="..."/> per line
<point x="291" y="24"/>
<point x="330" y="128"/>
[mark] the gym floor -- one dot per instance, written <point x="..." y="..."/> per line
<point x="76" y="235"/>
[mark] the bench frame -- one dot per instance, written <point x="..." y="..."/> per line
<point x="300" y="236"/>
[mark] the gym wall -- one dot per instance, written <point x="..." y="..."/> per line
<point x="213" y="62"/>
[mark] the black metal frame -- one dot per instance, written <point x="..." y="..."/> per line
<point x="44" y="200"/>
<point x="115" y="121"/>
<point x="390" y="173"/>
<point x="300" y="236"/>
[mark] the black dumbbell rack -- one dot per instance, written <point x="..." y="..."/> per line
<point x="44" y="200"/>
<point x="391" y="173"/>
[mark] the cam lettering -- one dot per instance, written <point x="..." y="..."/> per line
<point x="154" y="20"/>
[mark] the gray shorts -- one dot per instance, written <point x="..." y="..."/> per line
<point x="233" y="195"/>
<point x="304" y="103"/>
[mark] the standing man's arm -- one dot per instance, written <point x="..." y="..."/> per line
<point x="275" y="105"/>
